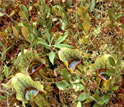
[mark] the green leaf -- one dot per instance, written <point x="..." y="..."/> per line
<point x="33" y="43"/>
<point x="81" y="26"/>
<point x="3" y="56"/>
<point x="64" y="14"/>
<point x="1" y="14"/>
<point x="111" y="61"/>
<point x="92" y="5"/>
<point x="51" y="57"/>
<point x="21" y="82"/>
<point x="43" y="42"/>
<point x="3" y="46"/>
<point x="78" y="87"/>
<point x="64" y="24"/>
<point x="111" y="72"/>
<point x="121" y="46"/>
<point x="62" y="85"/>
<point x="69" y="3"/>
<point x="114" y="88"/>
<point x="82" y="97"/>
<point x="17" y="60"/>
<point x="54" y="19"/>
<point x="52" y="39"/>
<point x="106" y="98"/>
<point x="53" y="10"/>
<point x="118" y="15"/>
<point x="96" y="95"/>
<point x="42" y="21"/>
<point x="61" y="38"/>
<point x="83" y="2"/>
<point x="24" y="9"/>
<point x="119" y="7"/>
<point x="66" y="75"/>
<point x="28" y="26"/>
<point x="6" y="71"/>
<point x="79" y="104"/>
<point x="30" y="37"/>
<point x="97" y="16"/>
<point x="76" y="78"/>
<point x="110" y="13"/>
<point x="48" y="35"/>
<point x="101" y="102"/>
<point x="49" y="24"/>
<point x="47" y="11"/>
<point x="118" y="76"/>
<point x="107" y="84"/>
<point x="63" y="45"/>
<point x="96" y="105"/>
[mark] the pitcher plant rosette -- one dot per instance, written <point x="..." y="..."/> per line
<point x="27" y="90"/>
<point x="72" y="59"/>
<point x="103" y="67"/>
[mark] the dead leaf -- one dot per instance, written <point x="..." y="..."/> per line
<point x="25" y="32"/>
<point x="22" y="14"/>
<point x="3" y="34"/>
<point x="86" y="26"/>
<point x="15" y="32"/>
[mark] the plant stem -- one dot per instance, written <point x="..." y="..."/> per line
<point x="8" y="16"/>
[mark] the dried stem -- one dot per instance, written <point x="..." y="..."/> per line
<point x="8" y="16"/>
